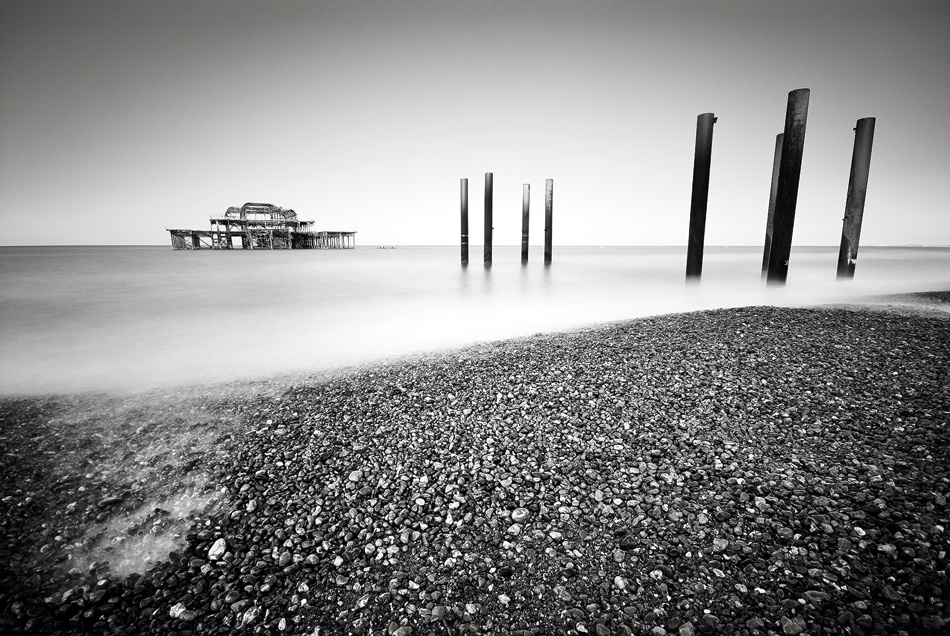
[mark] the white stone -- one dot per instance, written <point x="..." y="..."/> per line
<point x="217" y="550"/>
<point x="177" y="610"/>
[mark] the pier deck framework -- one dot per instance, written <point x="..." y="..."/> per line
<point x="255" y="226"/>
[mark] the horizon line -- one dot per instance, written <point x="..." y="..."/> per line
<point x="494" y="245"/>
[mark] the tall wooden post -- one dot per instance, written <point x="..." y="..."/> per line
<point x="697" y="208"/>
<point x="548" y="218"/>
<point x="464" y="196"/>
<point x="525" y="206"/>
<point x="786" y="196"/>
<point x="776" y="160"/>
<point x="488" y="218"/>
<point x="857" y="190"/>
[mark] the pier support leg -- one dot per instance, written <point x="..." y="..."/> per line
<point x="697" y="208"/>
<point x="786" y="195"/>
<point x="488" y="218"/>
<point x="525" y="207"/>
<point x="464" y="201"/>
<point x="548" y="218"/>
<point x="776" y="160"/>
<point x="857" y="191"/>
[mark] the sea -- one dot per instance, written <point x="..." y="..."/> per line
<point x="119" y="319"/>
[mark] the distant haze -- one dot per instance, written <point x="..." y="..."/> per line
<point x="119" y="118"/>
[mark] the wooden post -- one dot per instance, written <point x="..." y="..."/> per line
<point x="464" y="194"/>
<point x="548" y="218"/>
<point x="857" y="191"/>
<point x="525" y="206"/>
<point x="786" y="194"/>
<point x="697" y="207"/>
<point x="776" y="160"/>
<point x="488" y="218"/>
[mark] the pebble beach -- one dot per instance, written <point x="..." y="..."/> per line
<point x="758" y="470"/>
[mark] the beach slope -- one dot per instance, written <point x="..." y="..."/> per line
<point x="743" y="471"/>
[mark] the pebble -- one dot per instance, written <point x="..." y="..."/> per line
<point x="217" y="550"/>
<point x="845" y="617"/>
<point x="519" y="515"/>
<point x="792" y="626"/>
<point x="891" y="594"/>
<point x="177" y="610"/>
<point x="815" y="597"/>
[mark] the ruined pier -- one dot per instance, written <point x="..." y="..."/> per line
<point x="256" y="226"/>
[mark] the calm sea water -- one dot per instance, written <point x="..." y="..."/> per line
<point x="129" y="318"/>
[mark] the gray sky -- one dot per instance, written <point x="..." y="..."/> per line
<point x="119" y="118"/>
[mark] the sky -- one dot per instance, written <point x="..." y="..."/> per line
<point x="121" y="118"/>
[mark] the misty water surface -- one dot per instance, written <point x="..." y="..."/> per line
<point x="119" y="318"/>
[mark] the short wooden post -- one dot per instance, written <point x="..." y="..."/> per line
<point x="776" y="160"/>
<point x="525" y="206"/>
<point x="857" y="191"/>
<point x="697" y="207"/>
<point x="488" y="218"/>
<point x="464" y="195"/>
<point x="786" y="196"/>
<point x="548" y="218"/>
